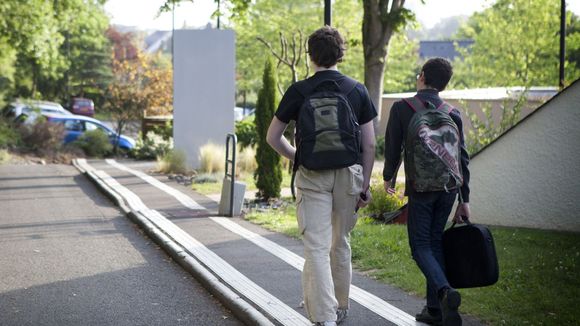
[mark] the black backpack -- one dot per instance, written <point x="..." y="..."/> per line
<point x="328" y="134"/>
<point x="327" y="131"/>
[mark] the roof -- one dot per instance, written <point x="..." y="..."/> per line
<point x="491" y="93"/>
<point x="443" y="49"/>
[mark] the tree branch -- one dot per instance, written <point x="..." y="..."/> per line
<point x="269" y="46"/>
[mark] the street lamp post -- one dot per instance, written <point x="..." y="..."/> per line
<point x="328" y="12"/>
<point x="562" y="41"/>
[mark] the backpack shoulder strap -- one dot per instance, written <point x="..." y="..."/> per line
<point x="415" y="103"/>
<point x="348" y="85"/>
<point x="446" y="106"/>
<point x="304" y="88"/>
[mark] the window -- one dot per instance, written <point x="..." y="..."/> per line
<point x="89" y="126"/>
<point x="93" y="126"/>
<point x="73" y="125"/>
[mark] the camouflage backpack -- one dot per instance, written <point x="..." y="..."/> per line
<point x="432" y="148"/>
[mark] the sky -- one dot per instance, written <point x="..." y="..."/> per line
<point x="142" y="13"/>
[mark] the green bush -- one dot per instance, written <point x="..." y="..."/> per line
<point x="382" y="202"/>
<point x="484" y="131"/>
<point x="174" y="161"/>
<point x="246" y="132"/>
<point x="153" y="146"/>
<point x="94" y="143"/>
<point x="268" y="174"/>
<point x="9" y="136"/>
<point x="165" y="131"/>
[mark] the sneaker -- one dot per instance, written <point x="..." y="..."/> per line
<point x="325" y="323"/>
<point x="428" y="317"/>
<point x="450" y="301"/>
<point x="341" y="315"/>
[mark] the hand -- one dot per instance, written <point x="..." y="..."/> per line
<point x="388" y="188"/>
<point x="461" y="213"/>
<point x="364" y="199"/>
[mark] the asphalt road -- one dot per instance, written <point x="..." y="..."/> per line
<point x="69" y="257"/>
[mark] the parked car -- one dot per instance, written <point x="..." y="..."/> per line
<point x="28" y="110"/>
<point x="83" y="106"/>
<point x="76" y="125"/>
<point x="242" y="113"/>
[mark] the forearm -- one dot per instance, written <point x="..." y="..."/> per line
<point x="368" y="154"/>
<point x="393" y="145"/>
<point x="283" y="147"/>
<point x="368" y="160"/>
<point x="276" y="139"/>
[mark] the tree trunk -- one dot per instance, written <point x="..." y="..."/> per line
<point x="379" y="23"/>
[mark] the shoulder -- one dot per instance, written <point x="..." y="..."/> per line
<point x="400" y="104"/>
<point x="455" y="114"/>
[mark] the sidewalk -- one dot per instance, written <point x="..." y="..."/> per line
<point x="254" y="272"/>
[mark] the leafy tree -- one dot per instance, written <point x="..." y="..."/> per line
<point x="278" y="23"/>
<point x="142" y="84"/>
<point x="402" y="61"/>
<point x="127" y="99"/>
<point x="46" y="46"/>
<point x="235" y="7"/>
<point x="32" y="35"/>
<point x="516" y="43"/>
<point x="268" y="175"/>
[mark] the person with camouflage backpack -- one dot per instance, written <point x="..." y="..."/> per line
<point x="429" y="133"/>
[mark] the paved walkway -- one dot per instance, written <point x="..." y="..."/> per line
<point x="254" y="272"/>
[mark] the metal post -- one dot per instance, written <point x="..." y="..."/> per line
<point x="218" y="14"/>
<point x="328" y="12"/>
<point x="233" y="164"/>
<point x="562" y="41"/>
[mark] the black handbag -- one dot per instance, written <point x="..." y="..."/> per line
<point x="470" y="257"/>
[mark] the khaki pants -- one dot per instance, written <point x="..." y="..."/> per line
<point x="326" y="201"/>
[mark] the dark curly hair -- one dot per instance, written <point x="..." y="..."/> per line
<point x="437" y="72"/>
<point x="326" y="47"/>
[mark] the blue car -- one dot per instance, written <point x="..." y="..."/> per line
<point x="76" y="125"/>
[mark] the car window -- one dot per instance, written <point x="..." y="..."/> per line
<point x="73" y="125"/>
<point x="93" y="126"/>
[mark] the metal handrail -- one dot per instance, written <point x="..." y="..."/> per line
<point x="233" y="165"/>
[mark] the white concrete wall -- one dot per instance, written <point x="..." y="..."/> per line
<point x="530" y="177"/>
<point x="204" y="89"/>
<point x="473" y="105"/>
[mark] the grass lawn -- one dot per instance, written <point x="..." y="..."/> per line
<point x="539" y="270"/>
<point x="208" y="188"/>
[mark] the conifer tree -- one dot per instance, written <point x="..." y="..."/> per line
<point x="268" y="175"/>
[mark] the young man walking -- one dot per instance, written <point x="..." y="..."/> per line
<point x="329" y="186"/>
<point x="430" y="207"/>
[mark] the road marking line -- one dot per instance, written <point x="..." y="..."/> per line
<point x="181" y="197"/>
<point x="368" y="300"/>
<point x="231" y="276"/>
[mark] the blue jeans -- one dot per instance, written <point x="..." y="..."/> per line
<point x="428" y="213"/>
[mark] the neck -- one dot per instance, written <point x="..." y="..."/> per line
<point x="318" y="68"/>
<point x="424" y="87"/>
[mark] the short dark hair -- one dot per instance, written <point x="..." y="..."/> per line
<point x="326" y="47"/>
<point x="437" y="73"/>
